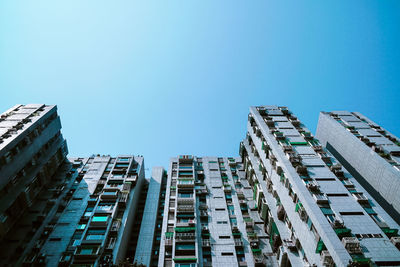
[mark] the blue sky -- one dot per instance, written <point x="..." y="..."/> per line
<point x="162" y="78"/>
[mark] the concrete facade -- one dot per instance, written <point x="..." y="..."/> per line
<point x="317" y="213"/>
<point x="94" y="218"/>
<point x="147" y="238"/>
<point x="371" y="153"/>
<point x="286" y="201"/>
<point x="31" y="151"/>
<point x="210" y="216"/>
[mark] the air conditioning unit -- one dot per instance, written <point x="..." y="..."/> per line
<point x="302" y="213"/>
<point x="302" y="170"/>
<point x="336" y="167"/>
<point x="338" y="223"/>
<point x="352" y="244"/>
<point x="326" y="259"/>
<point x="396" y="241"/>
<point x="313" y="186"/>
<point x="318" y="149"/>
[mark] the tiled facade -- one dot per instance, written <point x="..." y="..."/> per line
<point x="371" y="152"/>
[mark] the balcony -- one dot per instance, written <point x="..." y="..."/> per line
<point x="202" y="190"/>
<point x="168" y="242"/>
<point x="111" y="244"/>
<point x="287" y="148"/>
<point x="336" y="167"/>
<point x="351" y="244"/>
<point x="206" y="243"/>
<point x="294" y="159"/>
<point x="238" y="242"/>
<point x="265" y="146"/>
<point x="321" y="198"/>
<point x="318" y="149"/>
<point x="123" y="199"/>
<point x="189" y="183"/>
<point x="115" y="227"/>
<point x="86" y="252"/>
<point x="302" y="170"/>
<point x="227" y="189"/>
<point x="258" y="259"/>
<point x="348" y="184"/>
<point x="189" y="223"/>
<point x="191" y="258"/>
<point x="109" y="195"/>
<point x="249" y="222"/>
<point x="185" y="236"/>
<point x="203" y="207"/>
<point x="185" y="200"/>
<point x="360" y="197"/>
<point x="290" y="244"/>
<point x="203" y="214"/>
<point x="240" y="194"/>
<point x="313" y="186"/>
<point x="185" y="159"/>
<point x="252" y="236"/>
<point x="186" y="208"/>
<point x="99" y="220"/>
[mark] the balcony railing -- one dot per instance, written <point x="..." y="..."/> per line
<point x="185" y="236"/>
<point x="238" y="243"/>
<point x="185" y="208"/>
<point x="206" y="243"/>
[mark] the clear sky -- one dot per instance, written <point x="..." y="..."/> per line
<point x="162" y="78"/>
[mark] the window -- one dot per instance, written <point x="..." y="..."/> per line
<point x="376" y="218"/>
<point x="121" y="165"/>
<point x="226" y="253"/>
<point x="87" y="250"/>
<point x="99" y="218"/>
<point x="185" y="173"/>
<point x="222" y="222"/>
<point x="185" y="246"/>
<point x="224" y="237"/>
<point x="185" y="195"/>
<point x="344" y="213"/>
<point x="337" y="195"/>
<point x="94" y="237"/>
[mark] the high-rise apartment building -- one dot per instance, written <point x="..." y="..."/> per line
<point x="31" y="150"/>
<point x="210" y="216"/>
<point x="286" y="201"/>
<point x="314" y="211"/>
<point x="93" y="221"/>
<point x="368" y="151"/>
